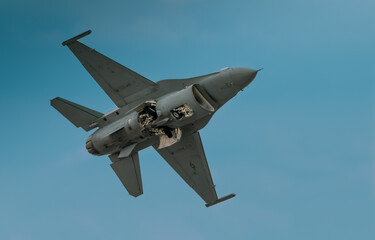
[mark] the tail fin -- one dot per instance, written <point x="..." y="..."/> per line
<point x="79" y="115"/>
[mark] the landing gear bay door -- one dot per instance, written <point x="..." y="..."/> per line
<point x="187" y="158"/>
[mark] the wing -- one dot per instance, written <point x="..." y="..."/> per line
<point x="187" y="158"/>
<point x="128" y="171"/>
<point x="121" y="84"/>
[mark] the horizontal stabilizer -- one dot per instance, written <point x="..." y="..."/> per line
<point x="128" y="171"/>
<point x="79" y="115"/>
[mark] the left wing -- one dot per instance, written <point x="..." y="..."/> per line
<point x="121" y="84"/>
<point x="187" y="158"/>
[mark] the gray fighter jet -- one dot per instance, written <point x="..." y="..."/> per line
<point x="166" y="115"/>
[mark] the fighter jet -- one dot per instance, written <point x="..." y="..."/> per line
<point x="166" y="115"/>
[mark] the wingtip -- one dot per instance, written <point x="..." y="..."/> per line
<point x="73" y="39"/>
<point x="53" y="100"/>
<point x="221" y="200"/>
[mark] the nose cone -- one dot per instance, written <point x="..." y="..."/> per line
<point x="243" y="76"/>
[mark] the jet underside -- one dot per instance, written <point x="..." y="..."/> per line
<point x="166" y="115"/>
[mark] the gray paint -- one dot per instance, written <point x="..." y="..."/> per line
<point x="151" y="111"/>
<point x="79" y="115"/>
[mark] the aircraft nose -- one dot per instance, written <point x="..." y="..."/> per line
<point x="249" y="73"/>
<point x="244" y="76"/>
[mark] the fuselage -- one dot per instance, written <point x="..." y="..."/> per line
<point x="167" y="114"/>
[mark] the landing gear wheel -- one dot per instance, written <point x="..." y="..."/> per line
<point x="168" y="131"/>
<point x="177" y="115"/>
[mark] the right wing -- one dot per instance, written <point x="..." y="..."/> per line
<point x="187" y="158"/>
<point x="120" y="83"/>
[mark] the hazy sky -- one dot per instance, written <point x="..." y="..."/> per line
<point x="297" y="146"/>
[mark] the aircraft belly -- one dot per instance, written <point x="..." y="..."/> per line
<point x="167" y="115"/>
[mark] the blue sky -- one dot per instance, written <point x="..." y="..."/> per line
<point x="297" y="146"/>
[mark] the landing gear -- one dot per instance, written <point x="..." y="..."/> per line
<point x="151" y="110"/>
<point x="147" y="115"/>
<point x="182" y="111"/>
<point x="177" y="115"/>
<point x="168" y="131"/>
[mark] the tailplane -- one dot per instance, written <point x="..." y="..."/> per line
<point x="79" y="115"/>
